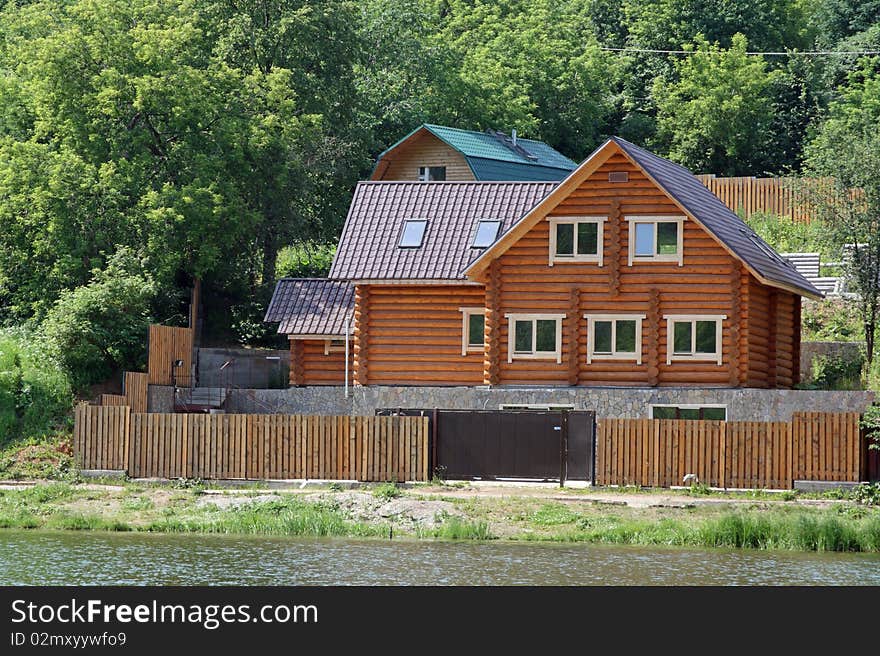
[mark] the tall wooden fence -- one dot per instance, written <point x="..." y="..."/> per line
<point x="769" y="195"/>
<point x="167" y="345"/>
<point x="251" y="446"/>
<point x="661" y="452"/>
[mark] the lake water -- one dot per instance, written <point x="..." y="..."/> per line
<point x="70" y="558"/>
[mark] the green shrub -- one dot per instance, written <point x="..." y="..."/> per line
<point x="35" y="392"/>
<point x="789" y="236"/>
<point x="305" y="260"/>
<point x="386" y="491"/>
<point x="838" y="373"/>
<point x="100" y="328"/>
<point x="831" y="320"/>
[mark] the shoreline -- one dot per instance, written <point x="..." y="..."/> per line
<point x="672" y="518"/>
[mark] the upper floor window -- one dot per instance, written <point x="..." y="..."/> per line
<point x="614" y="337"/>
<point x="656" y="239"/>
<point x="473" y="323"/>
<point x="693" y="337"/>
<point x="576" y="239"/>
<point x="487" y="232"/>
<point x="534" y="336"/>
<point x="413" y="233"/>
<point x="432" y="173"/>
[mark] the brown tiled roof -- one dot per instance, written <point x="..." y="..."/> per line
<point x="368" y="247"/>
<point x="311" y="306"/>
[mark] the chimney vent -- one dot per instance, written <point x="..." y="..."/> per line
<point x="513" y="136"/>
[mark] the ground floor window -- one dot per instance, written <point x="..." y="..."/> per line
<point x="473" y="323"/>
<point x="693" y="337"/>
<point x="535" y="406"/>
<point x="534" y="336"/>
<point x="705" y="412"/>
<point x="335" y="345"/>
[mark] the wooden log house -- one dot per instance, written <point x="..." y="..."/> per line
<point x="629" y="272"/>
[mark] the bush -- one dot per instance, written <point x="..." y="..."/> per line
<point x="305" y="261"/>
<point x="838" y="373"/>
<point x="789" y="236"/>
<point x="100" y="328"/>
<point x="35" y="392"/>
<point x="831" y="320"/>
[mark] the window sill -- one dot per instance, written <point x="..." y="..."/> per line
<point x="536" y="356"/>
<point x="698" y="357"/>
<point x="581" y="259"/>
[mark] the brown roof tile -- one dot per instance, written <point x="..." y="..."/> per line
<point x="368" y="247"/>
<point x="311" y="306"/>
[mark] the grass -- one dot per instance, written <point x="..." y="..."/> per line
<point x="749" y="523"/>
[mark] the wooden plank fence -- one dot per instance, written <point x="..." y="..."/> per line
<point x="768" y="195"/>
<point x="661" y="452"/>
<point x="166" y="345"/>
<point x="253" y="446"/>
<point x="135" y="389"/>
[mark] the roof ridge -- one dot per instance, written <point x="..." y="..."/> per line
<point x="460" y="182"/>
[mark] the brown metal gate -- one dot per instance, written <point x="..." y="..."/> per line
<point x="524" y="444"/>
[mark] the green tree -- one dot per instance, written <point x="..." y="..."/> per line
<point x="99" y="329"/>
<point x="718" y="116"/>
<point x="845" y="156"/>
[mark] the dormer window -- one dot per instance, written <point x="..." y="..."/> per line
<point x="413" y="233"/>
<point x="487" y="232"/>
<point x="432" y="173"/>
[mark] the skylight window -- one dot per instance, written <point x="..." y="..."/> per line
<point x="487" y="232"/>
<point x="413" y="233"/>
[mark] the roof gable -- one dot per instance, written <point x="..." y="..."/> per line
<point x="690" y="195"/>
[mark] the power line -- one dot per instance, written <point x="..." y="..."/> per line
<point x="793" y="53"/>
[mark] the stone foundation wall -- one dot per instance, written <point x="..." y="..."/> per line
<point x="742" y="404"/>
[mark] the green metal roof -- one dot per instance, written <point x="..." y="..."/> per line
<point x="490" y="158"/>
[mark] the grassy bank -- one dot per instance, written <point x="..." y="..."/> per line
<point x="752" y="524"/>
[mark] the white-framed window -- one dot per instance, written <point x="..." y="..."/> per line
<point x="614" y="337"/>
<point x="534" y="337"/>
<point x="334" y="345"/>
<point x="486" y="233"/>
<point x="656" y="239"/>
<point x="710" y="412"/>
<point x="432" y="173"/>
<point x="693" y="337"/>
<point x="473" y="324"/>
<point x="576" y="239"/>
<point x="413" y="233"/>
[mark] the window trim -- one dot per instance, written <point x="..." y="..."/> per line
<point x="403" y="231"/>
<point x="694" y="356"/>
<point x="466" y="313"/>
<point x="614" y="355"/>
<point x="690" y="406"/>
<point x="598" y="258"/>
<point x="428" y="173"/>
<point x="513" y="317"/>
<point x="631" y="220"/>
<point x="329" y="348"/>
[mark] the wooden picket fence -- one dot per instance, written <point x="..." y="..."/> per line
<point x="166" y="345"/>
<point x="767" y="195"/>
<point x="772" y="455"/>
<point x="251" y="446"/>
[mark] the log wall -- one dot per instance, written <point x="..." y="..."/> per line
<point x="309" y="365"/>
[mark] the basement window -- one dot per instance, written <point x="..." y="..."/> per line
<point x="694" y="412"/>
<point x="534" y="337"/>
<point x="413" y="233"/>
<point x="656" y="239"/>
<point x="432" y="173"/>
<point x="693" y="337"/>
<point x="576" y="239"/>
<point x="487" y="232"/>
<point x="614" y="337"/>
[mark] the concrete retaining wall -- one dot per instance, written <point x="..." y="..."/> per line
<point x="742" y="404"/>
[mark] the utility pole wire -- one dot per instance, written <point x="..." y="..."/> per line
<point x="793" y="53"/>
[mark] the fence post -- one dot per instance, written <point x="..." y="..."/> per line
<point x="723" y="456"/>
<point x="563" y="447"/>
